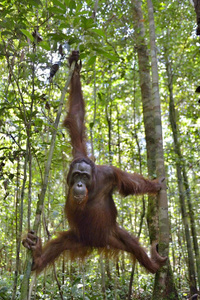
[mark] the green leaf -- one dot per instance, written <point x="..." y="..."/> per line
<point x="76" y="21"/>
<point x="67" y="2"/>
<point x="72" y="4"/>
<point x="87" y="22"/>
<point x="35" y="3"/>
<point x="100" y="32"/>
<point x="58" y="36"/>
<point x="61" y="5"/>
<point x="45" y="45"/>
<point x="27" y="34"/>
<point x="5" y="32"/>
<point x="73" y="40"/>
<point x="92" y="60"/>
<point x="38" y="122"/>
<point x="7" y="23"/>
<point x="56" y="10"/>
<point x="108" y="55"/>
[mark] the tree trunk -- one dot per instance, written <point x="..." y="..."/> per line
<point x="164" y="283"/>
<point x="103" y="281"/>
<point x="164" y="287"/>
<point x="18" y="236"/>
<point x="173" y="122"/>
<point x="192" y="221"/>
<point x="197" y="10"/>
<point x="135" y="135"/>
<point x="40" y="202"/>
<point x="145" y="85"/>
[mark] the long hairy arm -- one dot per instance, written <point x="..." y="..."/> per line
<point x="134" y="184"/>
<point x="74" y="121"/>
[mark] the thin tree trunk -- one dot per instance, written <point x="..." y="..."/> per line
<point x="29" y="186"/>
<point x="173" y="122"/>
<point x="145" y="85"/>
<point x="94" y="115"/>
<point x="160" y="169"/>
<point x="192" y="221"/>
<point x="18" y="238"/>
<point x="162" y="288"/>
<point x="143" y="200"/>
<point x="58" y="283"/>
<point x="103" y="282"/>
<point x="153" y="132"/>
<point x="27" y="273"/>
<point x="109" y="121"/>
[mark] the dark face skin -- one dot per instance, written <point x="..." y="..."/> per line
<point x="80" y="180"/>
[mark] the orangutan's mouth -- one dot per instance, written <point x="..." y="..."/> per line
<point x="79" y="198"/>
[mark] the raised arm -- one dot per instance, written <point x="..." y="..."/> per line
<point x="135" y="184"/>
<point x="74" y="121"/>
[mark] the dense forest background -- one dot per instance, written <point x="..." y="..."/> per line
<point x="36" y="38"/>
